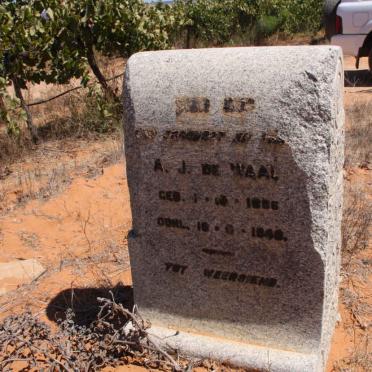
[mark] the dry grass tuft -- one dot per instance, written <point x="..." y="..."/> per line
<point x="360" y="359"/>
<point x="50" y="168"/>
<point x="35" y="184"/>
<point x="13" y="148"/>
<point x="359" y="134"/>
<point x="357" y="218"/>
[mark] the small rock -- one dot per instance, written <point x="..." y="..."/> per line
<point x="16" y="273"/>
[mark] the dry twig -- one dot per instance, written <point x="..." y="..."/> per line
<point x="117" y="336"/>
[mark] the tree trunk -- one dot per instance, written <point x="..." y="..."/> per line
<point x="97" y="72"/>
<point x="2" y="104"/>
<point x="30" y="125"/>
<point x="2" y="111"/>
<point x="188" y="37"/>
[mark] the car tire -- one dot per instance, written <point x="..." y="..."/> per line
<point x="330" y="9"/>
<point x="370" y="60"/>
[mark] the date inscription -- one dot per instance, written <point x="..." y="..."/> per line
<point x="220" y="200"/>
<point x="256" y="232"/>
<point x="227" y="229"/>
<point x="261" y="203"/>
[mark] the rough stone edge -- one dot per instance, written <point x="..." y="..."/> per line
<point x="335" y="185"/>
<point x="235" y="353"/>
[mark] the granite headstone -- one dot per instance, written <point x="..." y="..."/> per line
<point x="234" y="163"/>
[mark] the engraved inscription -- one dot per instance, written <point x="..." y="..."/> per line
<point x="158" y="166"/>
<point x="270" y="234"/>
<point x="213" y="229"/>
<point x="240" y="278"/>
<point x="221" y="200"/>
<point x="182" y="170"/>
<point x="238" y="105"/>
<point x="210" y="169"/>
<point x="218" y="252"/>
<point x="172" y="223"/>
<point x="248" y="171"/>
<point x="238" y="169"/>
<point x="261" y="203"/>
<point x="242" y="137"/>
<point x="175" y="268"/>
<point x="192" y="105"/>
<point x="203" y="226"/>
<point x="193" y="135"/>
<point x="228" y="229"/>
<point x="173" y="196"/>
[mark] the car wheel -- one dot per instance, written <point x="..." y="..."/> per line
<point x="330" y="9"/>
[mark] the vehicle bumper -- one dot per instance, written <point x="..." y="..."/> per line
<point x="350" y="44"/>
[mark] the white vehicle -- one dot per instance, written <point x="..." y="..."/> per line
<point x="349" y="24"/>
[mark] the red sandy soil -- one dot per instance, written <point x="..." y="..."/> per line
<point x="76" y="222"/>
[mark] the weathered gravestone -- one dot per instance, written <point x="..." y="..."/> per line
<point x="234" y="162"/>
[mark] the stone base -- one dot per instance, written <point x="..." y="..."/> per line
<point x="235" y="353"/>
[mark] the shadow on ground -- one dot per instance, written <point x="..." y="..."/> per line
<point x="358" y="78"/>
<point x="84" y="303"/>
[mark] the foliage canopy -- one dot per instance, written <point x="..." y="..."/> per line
<point x="53" y="41"/>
